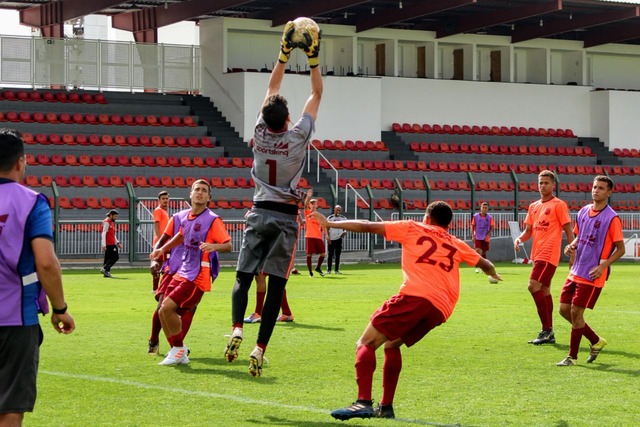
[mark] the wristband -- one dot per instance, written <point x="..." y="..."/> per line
<point x="61" y="310"/>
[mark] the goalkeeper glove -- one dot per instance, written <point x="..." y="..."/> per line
<point x="286" y="45"/>
<point x="312" y="48"/>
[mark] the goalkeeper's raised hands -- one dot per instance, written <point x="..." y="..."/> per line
<point x="312" y="48"/>
<point x="286" y="45"/>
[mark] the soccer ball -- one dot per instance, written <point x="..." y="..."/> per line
<point x="492" y="280"/>
<point x="306" y="32"/>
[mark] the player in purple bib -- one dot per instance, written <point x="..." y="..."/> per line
<point x="599" y="242"/>
<point x="29" y="273"/>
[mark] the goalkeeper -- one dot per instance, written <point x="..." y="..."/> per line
<point x="271" y="231"/>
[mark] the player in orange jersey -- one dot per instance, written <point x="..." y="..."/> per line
<point x="427" y="297"/>
<point x="546" y="219"/>
<point x="160" y="220"/>
<point x="313" y="235"/>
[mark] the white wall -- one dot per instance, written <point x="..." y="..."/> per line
<point x="11" y="24"/>
<point x="599" y="115"/>
<point x="360" y="107"/>
<point x="614" y="71"/>
<point x="485" y="103"/>
<point x="226" y="89"/>
<point x="624" y="126"/>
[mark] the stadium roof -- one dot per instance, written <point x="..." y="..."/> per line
<point x="593" y="22"/>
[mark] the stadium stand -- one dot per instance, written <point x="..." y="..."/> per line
<point x="92" y="144"/>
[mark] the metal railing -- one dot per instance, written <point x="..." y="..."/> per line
<point x="97" y="64"/>
<point x="81" y="239"/>
<point x="319" y="155"/>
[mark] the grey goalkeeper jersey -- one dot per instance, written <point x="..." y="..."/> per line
<point x="278" y="160"/>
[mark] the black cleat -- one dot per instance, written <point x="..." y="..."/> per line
<point x="154" y="348"/>
<point x="359" y="409"/>
<point x="544" y="337"/>
<point x="383" y="411"/>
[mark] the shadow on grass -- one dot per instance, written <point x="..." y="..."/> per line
<point x="611" y="368"/>
<point x="604" y="366"/>
<point x="298" y="325"/>
<point x="233" y="370"/>
<point x="289" y="422"/>
<point x="269" y="419"/>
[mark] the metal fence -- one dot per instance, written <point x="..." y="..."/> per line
<point x="96" y="64"/>
<point x="81" y="239"/>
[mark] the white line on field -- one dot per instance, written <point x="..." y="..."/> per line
<point x="215" y="395"/>
<point x="179" y="390"/>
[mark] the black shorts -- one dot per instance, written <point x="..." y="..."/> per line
<point x="19" y="353"/>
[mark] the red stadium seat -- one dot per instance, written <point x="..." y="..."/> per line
<point x="166" y="181"/>
<point x="88" y="181"/>
<point x="32" y="181"/>
<point x="116" y="181"/>
<point x="179" y="182"/>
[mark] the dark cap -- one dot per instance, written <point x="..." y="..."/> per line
<point x="113" y="212"/>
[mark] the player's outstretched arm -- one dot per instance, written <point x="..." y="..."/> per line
<point x="359" y="226"/>
<point x="275" y="80"/>
<point x="307" y="199"/>
<point x="313" y="103"/>
<point x="277" y="74"/>
<point x="488" y="268"/>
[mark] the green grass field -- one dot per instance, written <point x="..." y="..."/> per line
<point x="475" y="370"/>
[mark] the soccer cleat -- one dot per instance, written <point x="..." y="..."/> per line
<point x="103" y="271"/>
<point x="544" y="337"/>
<point x="255" y="362"/>
<point x="311" y="273"/>
<point x="595" y="349"/>
<point x="107" y="274"/>
<point x="254" y="318"/>
<point x="383" y="411"/>
<point x="338" y="272"/>
<point x="154" y="348"/>
<point x="477" y="270"/>
<point x="359" y="409"/>
<point x="231" y="351"/>
<point x="285" y="318"/>
<point x="319" y="272"/>
<point x="295" y="271"/>
<point x="176" y="356"/>
<point x="567" y="361"/>
<point x="328" y="271"/>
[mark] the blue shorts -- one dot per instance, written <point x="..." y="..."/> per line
<point x="20" y="354"/>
